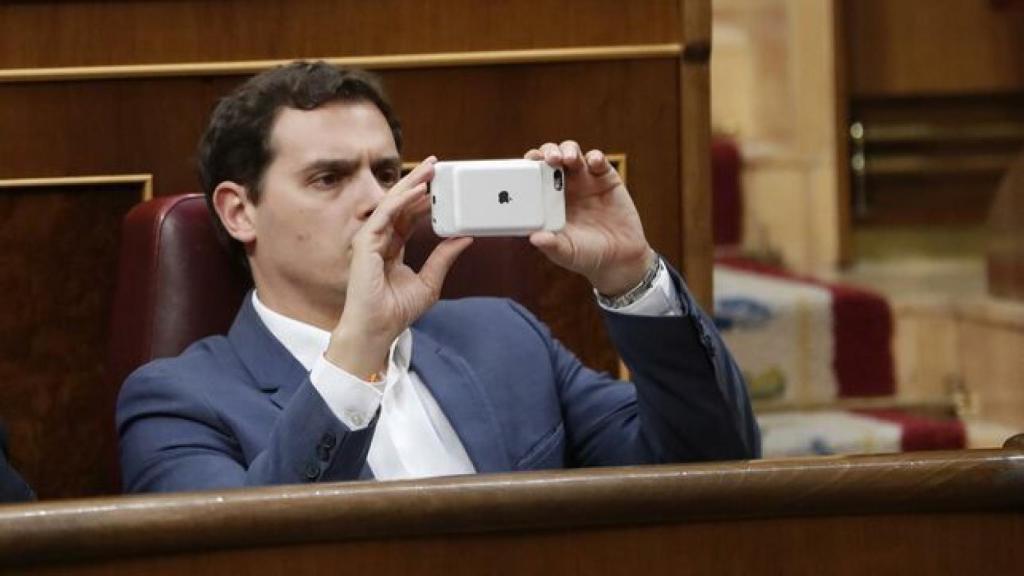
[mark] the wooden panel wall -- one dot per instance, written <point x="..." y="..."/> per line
<point x="938" y="88"/>
<point x="57" y="257"/>
<point x="147" y="120"/>
<point x="934" y="47"/>
<point x="35" y="33"/>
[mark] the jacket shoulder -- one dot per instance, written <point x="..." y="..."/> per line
<point x="210" y="359"/>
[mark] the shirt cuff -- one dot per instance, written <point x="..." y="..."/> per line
<point x="353" y="401"/>
<point x="661" y="299"/>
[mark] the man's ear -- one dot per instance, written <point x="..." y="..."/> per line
<point x="231" y="201"/>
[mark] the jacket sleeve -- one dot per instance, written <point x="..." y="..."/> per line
<point x="687" y="400"/>
<point x="172" y="440"/>
<point x="683" y="363"/>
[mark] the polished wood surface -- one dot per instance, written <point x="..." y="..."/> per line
<point x="375" y="62"/>
<point x="695" y="150"/>
<point x="917" y="47"/>
<point x="58" y="246"/>
<point x="954" y="545"/>
<point x="841" y="93"/>
<point x="95" y="32"/>
<point x="887" y="507"/>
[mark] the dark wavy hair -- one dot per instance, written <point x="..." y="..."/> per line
<point x="236" y="144"/>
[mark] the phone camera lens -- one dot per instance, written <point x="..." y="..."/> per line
<point x="558" y="180"/>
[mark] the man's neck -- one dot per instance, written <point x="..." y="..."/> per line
<point x="300" y="308"/>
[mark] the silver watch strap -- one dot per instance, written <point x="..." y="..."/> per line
<point x="635" y="293"/>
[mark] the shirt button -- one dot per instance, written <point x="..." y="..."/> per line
<point x="328" y="440"/>
<point x="709" y="344"/>
<point x="705" y="337"/>
<point x="312" y="471"/>
<point x="358" y="420"/>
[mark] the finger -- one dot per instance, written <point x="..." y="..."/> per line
<point x="534" y="154"/>
<point x="440" y="261"/>
<point x="543" y="239"/>
<point x="423" y="172"/>
<point x="552" y="153"/>
<point x="557" y="247"/>
<point x="598" y="163"/>
<point x="393" y="205"/>
<point x="403" y="227"/>
<point x="572" y="155"/>
<point x="411" y="215"/>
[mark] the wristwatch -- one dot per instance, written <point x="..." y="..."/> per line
<point x="635" y="293"/>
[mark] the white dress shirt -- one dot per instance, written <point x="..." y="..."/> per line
<point x="413" y="438"/>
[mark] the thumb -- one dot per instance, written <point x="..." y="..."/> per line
<point x="440" y="261"/>
<point x="557" y="247"/>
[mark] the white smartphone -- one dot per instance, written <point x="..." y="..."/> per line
<point x="496" y="198"/>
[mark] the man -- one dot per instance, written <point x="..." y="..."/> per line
<point x="343" y="364"/>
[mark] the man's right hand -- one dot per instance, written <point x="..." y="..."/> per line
<point x="385" y="296"/>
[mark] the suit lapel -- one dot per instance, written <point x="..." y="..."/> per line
<point x="272" y="366"/>
<point x="462" y="399"/>
<point x="445" y="373"/>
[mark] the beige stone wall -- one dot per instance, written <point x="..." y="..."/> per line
<point x="772" y="87"/>
<point x="970" y="349"/>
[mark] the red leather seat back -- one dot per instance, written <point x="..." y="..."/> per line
<point x="726" y="192"/>
<point x="176" y="283"/>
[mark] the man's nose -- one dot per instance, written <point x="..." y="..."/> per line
<point x="372" y="193"/>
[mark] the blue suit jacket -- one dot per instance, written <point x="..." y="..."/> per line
<point x="240" y="410"/>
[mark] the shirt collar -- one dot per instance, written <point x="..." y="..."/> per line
<point x="307" y="342"/>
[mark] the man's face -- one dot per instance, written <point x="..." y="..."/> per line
<point x="330" y="167"/>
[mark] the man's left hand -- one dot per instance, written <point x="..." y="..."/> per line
<point x="603" y="238"/>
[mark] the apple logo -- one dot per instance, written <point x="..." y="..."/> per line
<point x="504" y="197"/>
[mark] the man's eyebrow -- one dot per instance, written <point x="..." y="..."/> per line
<point x="388" y="162"/>
<point x="338" y="165"/>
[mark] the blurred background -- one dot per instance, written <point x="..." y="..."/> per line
<point x="880" y="146"/>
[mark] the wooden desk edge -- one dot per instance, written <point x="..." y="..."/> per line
<point x="968" y="480"/>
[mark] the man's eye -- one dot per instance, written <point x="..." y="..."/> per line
<point x="326" y="180"/>
<point x="388" y="177"/>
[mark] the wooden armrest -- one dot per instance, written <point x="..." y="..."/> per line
<point x="953" y="481"/>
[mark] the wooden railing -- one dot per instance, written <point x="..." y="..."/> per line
<point x="783" y="512"/>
